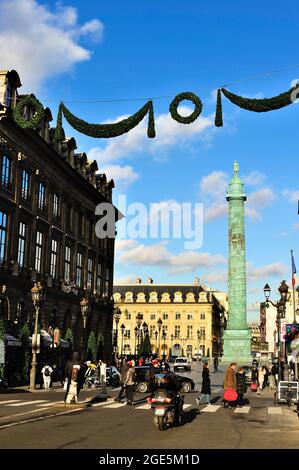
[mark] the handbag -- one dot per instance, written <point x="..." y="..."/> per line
<point x="253" y="387"/>
<point x="230" y="395"/>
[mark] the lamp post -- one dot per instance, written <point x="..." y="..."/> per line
<point x="122" y="329"/>
<point x="156" y="336"/>
<point x="116" y="316"/>
<point x="135" y="346"/>
<point x="84" y="305"/>
<point x="37" y="295"/>
<point x="164" y="346"/>
<point x="171" y="343"/>
<point x="198" y="341"/>
<point x="281" y="312"/>
<point x="139" y="322"/>
<point x="159" y="329"/>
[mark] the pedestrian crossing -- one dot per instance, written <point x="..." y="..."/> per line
<point x="111" y="404"/>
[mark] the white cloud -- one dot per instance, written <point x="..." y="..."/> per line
<point x="215" y="277"/>
<point x="169" y="133"/>
<point x="212" y="191"/>
<point x="270" y="270"/>
<point x="292" y="196"/>
<point x="133" y="253"/>
<point x="253" y="307"/>
<point x="40" y="43"/>
<point x="255" y="178"/>
<point x="124" y="280"/>
<point x="123" y="176"/>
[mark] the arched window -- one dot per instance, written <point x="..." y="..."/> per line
<point x="21" y="313"/>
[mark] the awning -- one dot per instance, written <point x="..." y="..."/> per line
<point x="12" y="341"/>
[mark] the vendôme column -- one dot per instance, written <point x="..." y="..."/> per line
<point x="236" y="347"/>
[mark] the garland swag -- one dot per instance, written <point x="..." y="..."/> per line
<point x="106" y="130"/>
<point x="252" y="104"/>
<point x="19" y="115"/>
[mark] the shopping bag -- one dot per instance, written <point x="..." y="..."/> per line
<point x="253" y="387"/>
<point x="65" y="385"/>
<point x="230" y="395"/>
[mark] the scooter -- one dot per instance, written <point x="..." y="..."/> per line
<point x="166" y="407"/>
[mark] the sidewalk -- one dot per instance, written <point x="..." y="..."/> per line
<point x="25" y="388"/>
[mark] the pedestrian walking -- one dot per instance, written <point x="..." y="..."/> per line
<point x="205" y="386"/>
<point x="229" y="382"/>
<point x="272" y="382"/>
<point x="241" y="386"/>
<point x="130" y="382"/>
<point x="261" y="376"/>
<point x="215" y="364"/>
<point x="75" y="379"/>
<point x="266" y="377"/>
<point x="47" y="371"/>
<point x="124" y="370"/>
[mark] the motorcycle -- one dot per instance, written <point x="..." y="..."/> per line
<point x="167" y="408"/>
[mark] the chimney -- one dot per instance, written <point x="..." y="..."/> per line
<point x="149" y="280"/>
<point x="138" y="280"/>
<point x="196" y="281"/>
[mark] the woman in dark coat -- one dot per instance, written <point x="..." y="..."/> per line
<point x="241" y="385"/>
<point x="206" y="385"/>
<point x="254" y="375"/>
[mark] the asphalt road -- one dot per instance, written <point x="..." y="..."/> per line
<point x="113" y="426"/>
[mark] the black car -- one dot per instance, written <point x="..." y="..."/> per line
<point x="113" y="377"/>
<point x="142" y="382"/>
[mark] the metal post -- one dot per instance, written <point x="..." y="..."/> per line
<point x="34" y="352"/>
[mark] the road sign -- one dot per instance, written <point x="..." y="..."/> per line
<point x="283" y="331"/>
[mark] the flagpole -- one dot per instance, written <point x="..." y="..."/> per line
<point x="293" y="285"/>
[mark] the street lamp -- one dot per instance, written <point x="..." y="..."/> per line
<point x="135" y="346"/>
<point x="159" y="328"/>
<point x="37" y="297"/>
<point x="139" y="318"/>
<point x="164" y="346"/>
<point x="156" y="336"/>
<point x="122" y="329"/>
<point x="116" y="316"/>
<point x="84" y="305"/>
<point x="281" y="312"/>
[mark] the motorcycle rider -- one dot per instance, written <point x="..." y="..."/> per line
<point x="170" y="383"/>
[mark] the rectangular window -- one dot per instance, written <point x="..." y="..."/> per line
<point x="67" y="264"/>
<point x="165" y="330"/>
<point x="3" y="234"/>
<point x="189" y="331"/>
<point x="202" y="316"/>
<point x="190" y="316"/>
<point x="79" y="269"/>
<point x="152" y="331"/>
<point x="177" y="316"/>
<point x="89" y="272"/>
<point x="53" y="267"/>
<point x="38" y="251"/>
<point x="177" y="331"/>
<point x="202" y="331"/>
<point x="99" y="277"/>
<point x="153" y="316"/>
<point x="107" y="281"/>
<point x="165" y="316"/>
<point x="41" y="196"/>
<point x="5" y="171"/>
<point x="128" y="334"/>
<point x="22" y="244"/>
<point x="56" y="206"/>
<point x="25" y="184"/>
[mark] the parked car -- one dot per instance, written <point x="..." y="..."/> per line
<point x="181" y="363"/>
<point x="113" y="377"/>
<point x="142" y="382"/>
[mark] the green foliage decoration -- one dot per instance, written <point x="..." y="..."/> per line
<point x="106" y="130"/>
<point x="173" y="108"/>
<point x="18" y="113"/>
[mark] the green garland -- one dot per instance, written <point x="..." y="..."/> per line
<point x="107" y="130"/>
<point x="177" y="100"/>
<point x="38" y="116"/>
<point x="218" y="115"/>
<point x="261" y="105"/>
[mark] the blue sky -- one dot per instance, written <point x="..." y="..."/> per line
<point x="101" y="50"/>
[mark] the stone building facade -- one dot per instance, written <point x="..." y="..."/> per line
<point x="191" y="317"/>
<point x="48" y="196"/>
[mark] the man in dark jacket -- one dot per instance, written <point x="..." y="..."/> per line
<point x="124" y="370"/>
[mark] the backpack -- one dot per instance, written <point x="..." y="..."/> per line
<point x="47" y="372"/>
